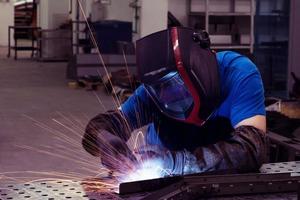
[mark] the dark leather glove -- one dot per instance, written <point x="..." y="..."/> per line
<point x="172" y="162"/>
<point x="113" y="150"/>
<point x="245" y="151"/>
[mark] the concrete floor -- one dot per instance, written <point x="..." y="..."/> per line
<point x="33" y="91"/>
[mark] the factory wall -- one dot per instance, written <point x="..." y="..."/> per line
<point x="6" y="19"/>
<point x="154" y="15"/>
<point x="120" y="10"/>
<point x="52" y="13"/>
<point x="115" y="10"/>
<point x="179" y="9"/>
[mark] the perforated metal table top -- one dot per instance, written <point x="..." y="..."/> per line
<point x="77" y="190"/>
<point x="53" y="190"/>
<point x="284" y="167"/>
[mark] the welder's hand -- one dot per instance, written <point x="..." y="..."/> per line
<point x="113" y="151"/>
<point x="169" y="159"/>
<point x="173" y="162"/>
<point x="151" y="151"/>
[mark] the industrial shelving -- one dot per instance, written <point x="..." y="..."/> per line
<point x="229" y="22"/>
<point x="272" y="25"/>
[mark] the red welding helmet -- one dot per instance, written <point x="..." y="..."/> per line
<point x="180" y="73"/>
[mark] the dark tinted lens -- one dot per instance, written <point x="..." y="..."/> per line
<point x="172" y="94"/>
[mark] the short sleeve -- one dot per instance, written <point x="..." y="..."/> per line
<point x="248" y="98"/>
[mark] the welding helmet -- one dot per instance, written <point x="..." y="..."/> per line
<point x="180" y="73"/>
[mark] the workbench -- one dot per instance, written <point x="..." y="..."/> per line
<point x="280" y="181"/>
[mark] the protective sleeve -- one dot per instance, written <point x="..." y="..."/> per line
<point x="245" y="151"/>
<point x="112" y="122"/>
<point x="139" y="109"/>
<point x="136" y="112"/>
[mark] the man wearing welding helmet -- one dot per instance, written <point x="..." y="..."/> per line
<point x="204" y="110"/>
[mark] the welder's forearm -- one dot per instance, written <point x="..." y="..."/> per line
<point x="111" y="121"/>
<point x="245" y="151"/>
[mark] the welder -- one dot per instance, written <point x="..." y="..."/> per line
<point x="204" y="110"/>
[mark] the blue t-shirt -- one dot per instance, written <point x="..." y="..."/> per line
<point x="242" y="96"/>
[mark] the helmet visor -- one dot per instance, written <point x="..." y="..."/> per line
<point x="172" y="96"/>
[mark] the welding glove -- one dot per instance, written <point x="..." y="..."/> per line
<point x="172" y="162"/>
<point x="113" y="150"/>
<point x="244" y="151"/>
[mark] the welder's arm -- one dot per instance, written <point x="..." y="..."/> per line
<point x="133" y="114"/>
<point x="101" y="127"/>
<point x="244" y="151"/>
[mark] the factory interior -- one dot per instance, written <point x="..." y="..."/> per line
<point x="63" y="62"/>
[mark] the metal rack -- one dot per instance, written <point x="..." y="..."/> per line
<point x="33" y="47"/>
<point x="271" y="49"/>
<point x="80" y="37"/>
<point x="209" y="15"/>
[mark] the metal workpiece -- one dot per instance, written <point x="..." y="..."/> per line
<point x="198" y="186"/>
<point x="147" y="185"/>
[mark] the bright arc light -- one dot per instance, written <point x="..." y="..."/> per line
<point x="150" y="169"/>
